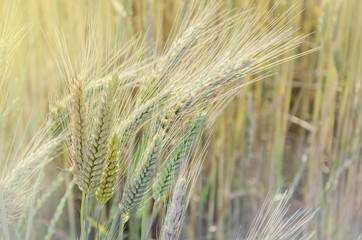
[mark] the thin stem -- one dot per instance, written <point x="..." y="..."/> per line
<point x="85" y="219"/>
<point x="71" y="213"/>
<point x="114" y="224"/>
<point x="120" y="236"/>
<point x="70" y="202"/>
<point x="152" y="219"/>
<point x="82" y="217"/>
<point x="97" y="216"/>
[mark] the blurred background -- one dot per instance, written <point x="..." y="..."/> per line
<point x="299" y="129"/>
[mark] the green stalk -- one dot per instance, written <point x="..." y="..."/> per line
<point x="98" y="211"/>
<point x="120" y="237"/>
<point x="82" y="216"/>
<point x="70" y="202"/>
<point x="85" y="219"/>
<point x="152" y="219"/>
<point x="114" y="224"/>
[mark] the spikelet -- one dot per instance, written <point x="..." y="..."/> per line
<point x="171" y="166"/>
<point x="136" y="189"/>
<point x="78" y="132"/>
<point x="58" y="120"/>
<point x="105" y="191"/>
<point x="173" y="220"/>
<point x="92" y="167"/>
<point x="167" y="120"/>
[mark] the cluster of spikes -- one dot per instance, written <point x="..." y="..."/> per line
<point x="97" y="154"/>
<point x="91" y="150"/>
<point x="96" y="149"/>
<point x="168" y="99"/>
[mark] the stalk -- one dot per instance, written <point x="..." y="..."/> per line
<point x="114" y="224"/>
<point x="85" y="218"/>
<point x="120" y="237"/>
<point x="82" y="216"/>
<point x="152" y="219"/>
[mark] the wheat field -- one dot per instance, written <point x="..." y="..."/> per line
<point x="180" y="119"/>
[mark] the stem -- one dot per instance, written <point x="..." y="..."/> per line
<point x="120" y="236"/>
<point x="71" y="213"/>
<point x="114" y="224"/>
<point x="97" y="214"/>
<point x="70" y="202"/>
<point x="85" y="219"/>
<point x="82" y="217"/>
<point x="152" y="219"/>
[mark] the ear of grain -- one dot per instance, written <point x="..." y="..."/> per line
<point x="171" y="166"/>
<point x="94" y="163"/>
<point x="167" y="120"/>
<point x="105" y="191"/>
<point x="173" y="220"/>
<point x="78" y="132"/>
<point x="16" y="184"/>
<point x="136" y="189"/>
<point x="58" y="120"/>
<point x="24" y="170"/>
